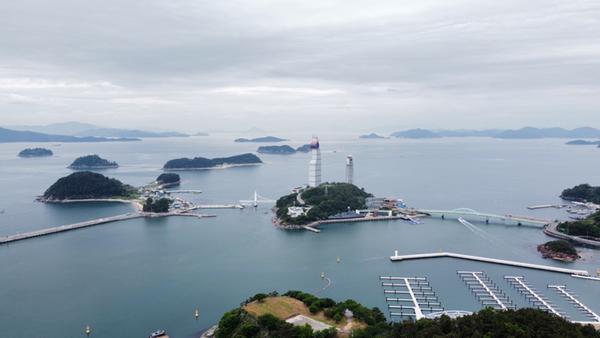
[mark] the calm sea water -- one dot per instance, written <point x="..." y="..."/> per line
<point x="127" y="279"/>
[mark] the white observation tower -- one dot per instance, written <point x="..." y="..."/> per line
<point x="349" y="169"/>
<point x="314" y="166"/>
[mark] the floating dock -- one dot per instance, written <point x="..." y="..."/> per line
<point x="532" y="295"/>
<point x="567" y="294"/>
<point x="398" y="258"/>
<point x="418" y="297"/>
<point x="486" y="291"/>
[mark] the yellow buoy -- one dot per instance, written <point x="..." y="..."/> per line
<point x="196" y="314"/>
<point x="88" y="330"/>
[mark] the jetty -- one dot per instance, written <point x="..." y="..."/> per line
<point x="399" y="258"/>
<point x="183" y="191"/>
<point x="69" y="227"/>
<point x="217" y="206"/>
<point x="314" y="225"/>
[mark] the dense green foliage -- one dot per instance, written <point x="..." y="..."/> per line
<point x="561" y="246"/>
<point x="589" y="227"/>
<point x="92" y="161"/>
<point x="35" y="152"/>
<point x="325" y="200"/>
<point x="582" y="193"/>
<point x="487" y="323"/>
<point x="159" y="205"/>
<point x="168" y="178"/>
<point x="278" y="150"/>
<point x="203" y="163"/>
<point x="88" y="185"/>
<point x="335" y="311"/>
<point x="240" y="324"/>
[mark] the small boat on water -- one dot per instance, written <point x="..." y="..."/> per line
<point x="157" y="334"/>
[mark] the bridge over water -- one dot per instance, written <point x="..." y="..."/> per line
<point x="476" y="216"/>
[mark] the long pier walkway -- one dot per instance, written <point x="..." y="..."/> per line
<point x="69" y="227"/>
<point x="486" y="291"/>
<point x="563" y="291"/>
<point x="397" y="258"/>
<point x="417" y="296"/>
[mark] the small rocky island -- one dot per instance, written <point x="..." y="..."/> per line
<point x="371" y="136"/>
<point x="35" y="152"/>
<point x="167" y="180"/>
<point x="319" y="203"/>
<point x="276" y="150"/>
<point x="264" y="139"/>
<point x="86" y="185"/>
<point x="199" y="163"/>
<point x="92" y="162"/>
<point x="559" y="250"/>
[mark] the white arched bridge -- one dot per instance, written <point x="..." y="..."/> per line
<point x="476" y="216"/>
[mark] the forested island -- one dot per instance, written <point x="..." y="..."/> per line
<point x="582" y="193"/>
<point x="320" y="203"/>
<point x="92" y="162"/>
<point x="271" y="315"/>
<point x="264" y="139"/>
<point x="560" y="250"/>
<point x="87" y="185"/>
<point x="168" y="180"/>
<point x="206" y="163"/>
<point x="35" y="152"/>
<point x="276" y="150"/>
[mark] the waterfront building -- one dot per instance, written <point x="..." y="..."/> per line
<point x="349" y="169"/>
<point x="314" y="166"/>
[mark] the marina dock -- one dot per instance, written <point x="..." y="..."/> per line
<point x="398" y="258"/>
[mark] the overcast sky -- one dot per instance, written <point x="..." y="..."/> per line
<point x="195" y="65"/>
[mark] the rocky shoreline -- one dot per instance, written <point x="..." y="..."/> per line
<point x="556" y="255"/>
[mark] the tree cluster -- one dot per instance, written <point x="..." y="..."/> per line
<point x="159" y="205"/>
<point x="589" y="227"/>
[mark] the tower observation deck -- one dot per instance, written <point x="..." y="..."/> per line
<point x="314" y="166"/>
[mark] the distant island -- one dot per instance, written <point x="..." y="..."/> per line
<point x="297" y="314"/>
<point x="167" y="180"/>
<point x="416" y="133"/>
<point x="276" y="150"/>
<point x="35" y="152"/>
<point x="92" y="162"/>
<point x="265" y="139"/>
<point x="87" y="130"/>
<point x="559" y="250"/>
<point x="305" y="148"/>
<point x="583" y="143"/>
<point x="86" y="185"/>
<point x="8" y="135"/>
<point x="319" y="203"/>
<point x="523" y="133"/>
<point x="198" y="163"/>
<point x="371" y="136"/>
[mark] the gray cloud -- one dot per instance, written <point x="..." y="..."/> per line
<point x="281" y="64"/>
